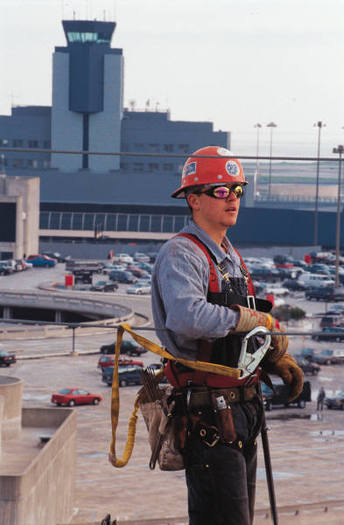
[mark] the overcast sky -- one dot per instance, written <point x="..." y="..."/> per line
<point x="232" y="62"/>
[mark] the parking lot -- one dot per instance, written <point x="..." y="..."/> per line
<point x="307" y="447"/>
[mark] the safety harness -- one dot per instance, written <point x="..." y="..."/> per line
<point x="201" y="366"/>
<point x="180" y="376"/>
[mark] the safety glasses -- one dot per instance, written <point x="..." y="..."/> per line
<point x="222" y="192"/>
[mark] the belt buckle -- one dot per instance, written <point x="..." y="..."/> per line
<point x="251" y="302"/>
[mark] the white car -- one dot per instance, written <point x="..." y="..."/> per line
<point x="122" y="258"/>
<point x="141" y="257"/>
<point x="139" y="289"/>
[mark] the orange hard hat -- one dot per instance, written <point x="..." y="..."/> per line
<point x="218" y="170"/>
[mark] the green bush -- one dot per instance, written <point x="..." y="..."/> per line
<point x="285" y="313"/>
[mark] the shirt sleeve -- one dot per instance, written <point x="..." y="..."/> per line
<point x="182" y="277"/>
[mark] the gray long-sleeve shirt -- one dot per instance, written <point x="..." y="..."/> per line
<point x="180" y="284"/>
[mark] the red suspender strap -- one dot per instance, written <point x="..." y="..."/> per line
<point x="250" y="287"/>
<point x="213" y="280"/>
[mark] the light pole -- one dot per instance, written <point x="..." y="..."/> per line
<point x="271" y="125"/>
<point x="319" y="125"/>
<point x="340" y="151"/>
<point x="258" y="126"/>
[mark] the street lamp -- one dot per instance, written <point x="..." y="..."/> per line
<point x="319" y="125"/>
<point x="271" y="125"/>
<point x="340" y="151"/>
<point x="258" y="126"/>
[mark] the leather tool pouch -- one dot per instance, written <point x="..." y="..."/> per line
<point x="163" y="432"/>
<point x="224" y="418"/>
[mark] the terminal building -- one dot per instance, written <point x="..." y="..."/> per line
<point x="123" y="191"/>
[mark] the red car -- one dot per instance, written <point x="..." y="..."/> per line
<point x="109" y="359"/>
<point x="75" y="396"/>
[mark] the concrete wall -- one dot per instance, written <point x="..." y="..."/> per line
<point x="11" y="389"/>
<point x="24" y="192"/>
<point x="42" y="493"/>
<point x="105" y="127"/>
<point x="66" y="125"/>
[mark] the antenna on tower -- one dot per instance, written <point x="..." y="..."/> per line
<point x="73" y="15"/>
<point x="104" y="15"/>
<point x="132" y="104"/>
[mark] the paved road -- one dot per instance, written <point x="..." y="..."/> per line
<point x="307" y="447"/>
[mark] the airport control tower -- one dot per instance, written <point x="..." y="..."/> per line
<point x="87" y="96"/>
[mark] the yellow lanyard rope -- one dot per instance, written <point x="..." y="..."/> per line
<point x="152" y="347"/>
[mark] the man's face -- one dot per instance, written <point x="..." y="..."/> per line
<point x="217" y="213"/>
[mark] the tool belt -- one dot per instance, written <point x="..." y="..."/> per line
<point x="201" y="398"/>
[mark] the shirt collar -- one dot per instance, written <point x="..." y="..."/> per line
<point x="215" y="249"/>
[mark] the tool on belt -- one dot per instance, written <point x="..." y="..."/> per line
<point x="249" y="363"/>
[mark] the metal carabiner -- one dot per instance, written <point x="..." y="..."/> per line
<point x="248" y="362"/>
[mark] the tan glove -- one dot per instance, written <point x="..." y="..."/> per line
<point x="292" y="375"/>
<point x="249" y="319"/>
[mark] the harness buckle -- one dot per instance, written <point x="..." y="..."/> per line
<point x="251" y="302"/>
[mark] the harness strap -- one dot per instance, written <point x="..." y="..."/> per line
<point x="213" y="280"/>
<point x="205" y="349"/>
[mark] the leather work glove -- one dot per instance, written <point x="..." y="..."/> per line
<point x="291" y="374"/>
<point x="249" y="319"/>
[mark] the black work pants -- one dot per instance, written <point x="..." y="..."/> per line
<point x="221" y="480"/>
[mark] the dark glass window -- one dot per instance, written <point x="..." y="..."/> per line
<point x="156" y="223"/>
<point x="17" y="143"/>
<point x="133" y="223"/>
<point x="122" y="222"/>
<point x="168" y="147"/>
<point x="89" y="221"/>
<point x="55" y="221"/>
<point x="43" y="220"/>
<point x="77" y="221"/>
<point x="167" y="223"/>
<point x="179" y="222"/>
<point x="111" y="222"/>
<point x="144" y="223"/>
<point x="66" y="221"/>
<point x="33" y="143"/>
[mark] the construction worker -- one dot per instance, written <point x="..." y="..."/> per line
<point x="201" y="296"/>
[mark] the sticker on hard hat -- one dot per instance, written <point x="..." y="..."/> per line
<point x="232" y="168"/>
<point x="190" y="169"/>
<point x="224" y="152"/>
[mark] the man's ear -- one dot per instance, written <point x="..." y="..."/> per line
<point x="193" y="201"/>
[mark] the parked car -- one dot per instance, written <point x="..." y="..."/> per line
<point x="145" y="266"/>
<point x="57" y="256"/>
<point x="306" y="353"/>
<point x="127" y="375"/>
<point x="122" y="276"/>
<point x="7" y="359"/>
<point x="139" y="289"/>
<point x="122" y="258"/>
<point x="104" y="286"/>
<point x="5" y="268"/>
<point x="75" y="396"/>
<point x="22" y="265"/>
<point x="108" y="360"/>
<point x="280" y="397"/>
<point x="138" y="272"/>
<point x="41" y="260"/>
<point x="332" y="333"/>
<point x="293" y="284"/>
<point x="308" y="367"/>
<point x="315" y="280"/>
<point x="267" y="274"/>
<point x="131" y="348"/>
<point x="329" y="357"/>
<point x="141" y="257"/>
<point x="329" y="293"/>
<point x="336" y="401"/>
